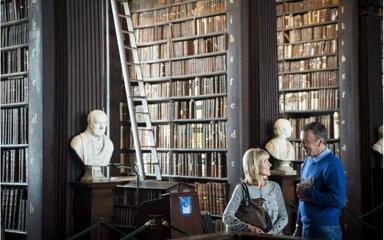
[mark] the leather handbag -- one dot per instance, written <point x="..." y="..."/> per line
<point x="250" y="211"/>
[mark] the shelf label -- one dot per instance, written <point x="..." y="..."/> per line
<point x="34" y="118"/>
<point x="31" y="208"/>
<point x="231" y="38"/>
<point x="231" y="58"/>
<point x="34" y="82"/>
<point x="342" y="26"/>
<point x="233" y="105"/>
<point x="342" y="9"/>
<point x="231" y="1"/>
<point x="233" y="164"/>
<point x="230" y="19"/>
<point x="233" y="134"/>
<point x="33" y="52"/>
<point x="231" y="81"/>
<point x="343" y="76"/>
<point x="342" y="122"/>
<point x="343" y="58"/>
<point x="342" y="42"/>
<point x="34" y="25"/>
<point x="343" y="94"/>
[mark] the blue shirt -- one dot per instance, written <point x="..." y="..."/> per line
<point x="325" y="198"/>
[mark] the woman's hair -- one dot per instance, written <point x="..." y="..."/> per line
<point x="251" y="160"/>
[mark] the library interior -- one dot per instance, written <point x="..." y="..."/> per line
<point x="129" y="119"/>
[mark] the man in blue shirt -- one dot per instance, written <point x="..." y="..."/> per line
<point x="321" y="190"/>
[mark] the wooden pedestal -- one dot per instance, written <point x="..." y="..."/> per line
<point x="92" y="201"/>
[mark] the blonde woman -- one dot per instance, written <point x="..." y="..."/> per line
<point x="256" y="168"/>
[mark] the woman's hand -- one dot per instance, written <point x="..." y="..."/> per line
<point x="251" y="228"/>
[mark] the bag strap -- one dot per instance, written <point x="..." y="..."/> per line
<point x="245" y="193"/>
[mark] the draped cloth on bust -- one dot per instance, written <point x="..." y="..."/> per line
<point x="91" y="150"/>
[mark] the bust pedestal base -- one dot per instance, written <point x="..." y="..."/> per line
<point x="92" y="201"/>
<point x="93" y="174"/>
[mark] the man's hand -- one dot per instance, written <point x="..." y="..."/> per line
<point x="251" y="228"/>
<point x="300" y="188"/>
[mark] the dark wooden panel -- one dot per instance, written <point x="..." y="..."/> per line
<point x="371" y="99"/>
<point x="80" y="88"/>
<point x="263" y="98"/>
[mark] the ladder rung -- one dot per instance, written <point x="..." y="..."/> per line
<point x="133" y="64"/>
<point x="138" y="99"/>
<point x="144" y="129"/>
<point x="142" y="112"/>
<point x="148" y="146"/>
<point x="130" y="48"/>
<point x="127" y="32"/>
<point x="124" y="15"/>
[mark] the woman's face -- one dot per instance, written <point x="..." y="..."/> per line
<point x="265" y="167"/>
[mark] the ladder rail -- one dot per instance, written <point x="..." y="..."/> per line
<point x="142" y="94"/>
<point x="124" y="66"/>
<point x="139" y="74"/>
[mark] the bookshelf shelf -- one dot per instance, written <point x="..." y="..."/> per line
<point x="20" y="184"/>
<point x="308" y="66"/>
<point x="307" y="41"/>
<point x="306" y="57"/>
<point x="282" y="12"/>
<point x="16" y="74"/>
<point x="307" y="26"/>
<point x="8" y="48"/>
<point x="183" y="52"/>
<point x="15" y="22"/>
<point x="14" y="106"/>
<point x="178" y="20"/>
<point x="307" y="89"/>
<point x="13" y="145"/>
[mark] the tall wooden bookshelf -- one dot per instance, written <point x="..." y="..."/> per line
<point x="183" y="50"/>
<point x="308" y="67"/>
<point x="14" y="117"/>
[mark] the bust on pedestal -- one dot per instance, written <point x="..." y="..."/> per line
<point x="93" y="147"/>
<point x="281" y="149"/>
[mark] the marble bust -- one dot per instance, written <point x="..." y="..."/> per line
<point x="378" y="146"/>
<point x="93" y="147"/>
<point x="280" y="148"/>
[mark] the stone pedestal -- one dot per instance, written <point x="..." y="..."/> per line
<point x="93" y="174"/>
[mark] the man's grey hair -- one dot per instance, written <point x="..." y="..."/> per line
<point x="318" y="129"/>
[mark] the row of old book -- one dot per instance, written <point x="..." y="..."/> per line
<point x="180" y="68"/>
<point x="316" y="63"/>
<point x="330" y="121"/>
<point x="308" y="80"/>
<point x="14" y="165"/>
<point x="189" y="88"/>
<point x="13" y="208"/>
<point x="15" y="60"/>
<point x="192" y="28"/>
<point x="175" y="49"/>
<point x="324" y="99"/>
<point x="14" y="35"/>
<point x="14" y="127"/>
<point x="176" y="12"/>
<point x="183" y="135"/>
<point x="289" y="7"/>
<point x="310" y="33"/>
<point x="188" y="109"/>
<point x="307" y="49"/>
<point x="14" y="90"/>
<point x="307" y="18"/>
<point x="13" y="10"/>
